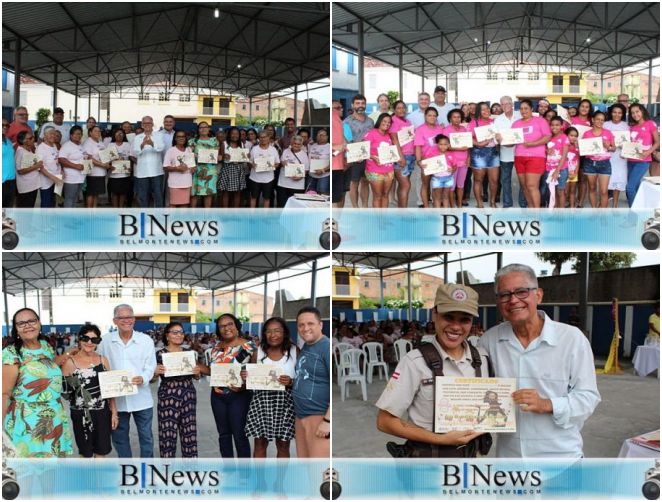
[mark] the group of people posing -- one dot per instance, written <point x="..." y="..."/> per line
<point x="549" y="166"/>
<point x="145" y="167"/>
<point x="35" y="379"/>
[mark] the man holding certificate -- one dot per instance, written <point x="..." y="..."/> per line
<point x="411" y="387"/>
<point x="553" y="365"/>
<point x="132" y="351"/>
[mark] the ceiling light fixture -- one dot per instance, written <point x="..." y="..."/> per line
<point x="217" y="13"/>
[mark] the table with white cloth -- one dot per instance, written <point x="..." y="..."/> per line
<point x="646" y="359"/>
<point x="648" y="195"/>
<point x="631" y="449"/>
<point x="296" y="203"/>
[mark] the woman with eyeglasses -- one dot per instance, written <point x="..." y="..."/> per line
<point x="230" y="404"/>
<point x="271" y="414"/>
<point x="32" y="412"/>
<point x="92" y="417"/>
<point x="176" y="400"/>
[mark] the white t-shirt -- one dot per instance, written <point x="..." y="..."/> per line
<point x="25" y="183"/>
<point x="269" y="152"/>
<point x="125" y="152"/>
<point x="91" y="148"/>
<point x="316" y="151"/>
<point x="506" y="153"/>
<point x="73" y="153"/>
<point x="290" y="157"/>
<point x="49" y="155"/>
<point x="442" y="112"/>
<point x="175" y="178"/>
<point x="287" y="364"/>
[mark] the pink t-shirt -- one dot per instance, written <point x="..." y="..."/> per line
<point x="424" y="137"/>
<point x="376" y="139"/>
<point x="175" y="178"/>
<point x="534" y="129"/>
<point x="607" y="137"/>
<point x="396" y="124"/>
<point x="572" y="159"/>
<point x="555" y="152"/>
<point x="580" y="121"/>
<point x="471" y="127"/>
<point x="460" y="157"/>
<point x="643" y="133"/>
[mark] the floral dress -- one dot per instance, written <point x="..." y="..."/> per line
<point x="36" y="421"/>
<point x="206" y="175"/>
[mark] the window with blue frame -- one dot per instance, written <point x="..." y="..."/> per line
<point x="5" y="79"/>
<point x="334" y="59"/>
<point x="350" y="63"/>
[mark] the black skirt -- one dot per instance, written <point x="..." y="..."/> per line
<point x="92" y="435"/>
<point x="120" y="186"/>
<point x="95" y="185"/>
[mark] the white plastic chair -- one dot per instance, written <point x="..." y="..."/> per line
<point x="352" y="370"/>
<point x="402" y="346"/>
<point x="337" y="352"/>
<point x="374" y="352"/>
<point x="427" y="338"/>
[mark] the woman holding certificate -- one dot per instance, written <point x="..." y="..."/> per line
<point x="320" y="156"/>
<point x="95" y="184"/>
<point x="264" y="158"/>
<point x="426" y="147"/>
<point x="643" y="131"/>
<point x="92" y="417"/>
<point x="484" y="154"/>
<point x="119" y="180"/>
<point x="206" y="148"/>
<point x="530" y="156"/>
<point x="179" y="162"/>
<point x="292" y="176"/>
<point x="596" y="165"/>
<point x="619" y="166"/>
<point x="232" y="178"/>
<point x="402" y="135"/>
<point x="32" y="412"/>
<point x="28" y="179"/>
<point x="176" y="397"/>
<point x="460" y="154"/>
<point x="51" y="173"/>
<point x="379" y="167"/>
<point x="582" y="122"/>
<point x="271" y="414"/>
<point x="230" y="404"/>
<point x="71" y="159"/>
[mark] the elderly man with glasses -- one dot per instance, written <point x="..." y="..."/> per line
<point x="553" y="365"/>
<point x="148" y="173"/>
<point x="19" y="124"/>
<point x="127" y="349"/>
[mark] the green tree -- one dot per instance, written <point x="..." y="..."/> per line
<point x="366" y="303"/>
<point x="202" y="317"/>
<point x="597" y="261"/>
<point x="393" y="96"/>
<point x="42" y="117"/>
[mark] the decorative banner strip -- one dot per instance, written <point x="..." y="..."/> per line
<point x="492" y="478"/>
<point x="497" y="230"/>
<point x="176" y="229"/>
<point x="211" y="479"/>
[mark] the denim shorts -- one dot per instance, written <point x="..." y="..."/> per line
<point x="592" y="167"/>
<point x="562" y="179"/>
<point x="442" y="181"/>
<point x="410" y="162"/>
<point x="484" y="157"/>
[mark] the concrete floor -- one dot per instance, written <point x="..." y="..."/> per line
<point x="630" y="406"/>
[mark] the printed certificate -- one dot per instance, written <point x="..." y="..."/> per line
<point x="485" y="133"/>
<point x="388" y="154"/>
<point x="591" y="146"/>
<point x="406" y="135"/>
<point x="621" y="137"/>
<point x="29" y="160"/>
<point x="87" y="166"/>
<point x="562" y="112"/>
<point x="178" y="363"/>
<point x="58" y="185"/>
<point x="186" y="158"/>
<point x="121" y="166"/>
<point x="356" y="152"/>
<point x="207" y="156"/>
<point x="581" y="129"/>
<point x="479" y="404"/>
<point x="116" y="383"/>
<point x="295" y="170"/>
<point x="319" y="165"/>
<point x="263" y="377"/>
<point x="632" y="150"/>
<point x="461" y="140"/>
<point x="264" y="164"/>
<point x="225" y="375"/>
<point x="436" y="165"/>
<point x="238" y="154"/>
<point x="109" y="154"/>
<point x="512" y="136"/>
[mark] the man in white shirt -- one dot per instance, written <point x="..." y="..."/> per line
<point x="57" y="124"/>
<point x="148" y="173"/>
<point x="440" y="104"/>
<point x="417" y="117"/>
<point x="131" y="350"/>
<point x="167" y="132"/>
<point x="553" y="365"/>
<point x="507" y="153"/>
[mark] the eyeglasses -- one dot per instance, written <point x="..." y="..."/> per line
<point x="274" y="331"/>
<point x="29" y="322"/>
<point x="94" y="339"/>
<point x="227" y="325"/>
<point x="176" y="332"/>
<point x="125" y="318"/>
<point x="520" y="293"/>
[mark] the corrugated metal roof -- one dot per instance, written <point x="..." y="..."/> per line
<point x="112" y="45"/>
<point x="453" y="36"/>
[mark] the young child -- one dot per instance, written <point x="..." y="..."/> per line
<point x="556" y="167"/>
<point x="572" y="162"/>
<point x="442" y="185"/>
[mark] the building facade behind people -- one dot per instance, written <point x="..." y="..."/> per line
<point x="553" y="365"/>
<point x="128" y="349"/>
